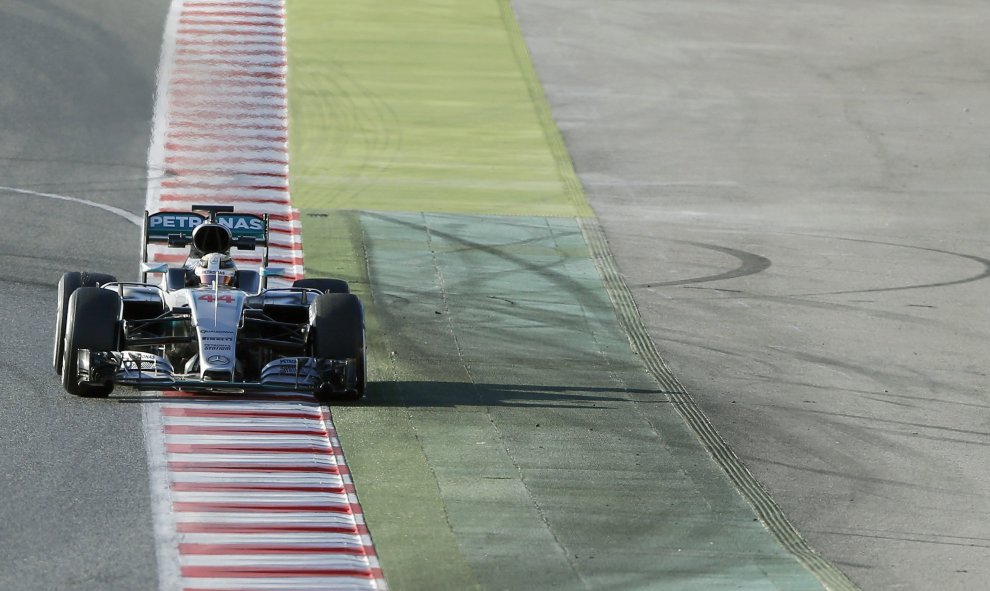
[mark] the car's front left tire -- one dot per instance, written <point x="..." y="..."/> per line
<point x="337" y="321"/>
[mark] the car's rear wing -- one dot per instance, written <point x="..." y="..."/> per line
<point x="175" y="228"/>
<point x="172" y="227"/>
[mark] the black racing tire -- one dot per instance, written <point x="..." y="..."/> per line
<point x="324" y="285"/>
<point x="69" y="283"/>
<point x="92" y="316"/>
<point x="337" y="322"/>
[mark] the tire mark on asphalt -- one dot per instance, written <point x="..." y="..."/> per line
<point x="978" y="259"/>
<point x="824" y="413"/>
<point x="916" y="537"/>
<point x="750" y="264"/>
<point x="873" y="481"/>
<point x="797" y="300"/>
<point x="26" y="283"/>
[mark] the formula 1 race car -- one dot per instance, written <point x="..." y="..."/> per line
<point x="208" y="326"/>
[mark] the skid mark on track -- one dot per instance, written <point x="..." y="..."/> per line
<point x="750" y="264"/>
<point x="977" y="259"/>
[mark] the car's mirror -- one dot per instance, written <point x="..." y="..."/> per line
<point x="154" y="267"/>
<point x="245" y="243"/>
<point x="273" y="272"/>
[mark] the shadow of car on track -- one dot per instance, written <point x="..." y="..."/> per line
<point x="445" y="394"/>
<point x="450" y="394"/>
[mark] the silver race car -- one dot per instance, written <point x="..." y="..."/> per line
<point x="208" y="326"/>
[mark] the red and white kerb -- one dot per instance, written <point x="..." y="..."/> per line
<point x="260" y="497"/>
<point x="250" y="492"/>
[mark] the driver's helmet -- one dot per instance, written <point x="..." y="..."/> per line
<point x="216" y="269"/>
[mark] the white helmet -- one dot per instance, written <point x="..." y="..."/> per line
<point x="216" y="269"/>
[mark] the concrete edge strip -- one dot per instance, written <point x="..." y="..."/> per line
<point x="749" y="487"/>
<point x="248" y="491"/>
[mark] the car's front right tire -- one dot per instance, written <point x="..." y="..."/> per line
<point x="92" y="322"/>
<point x="68" y="284"/>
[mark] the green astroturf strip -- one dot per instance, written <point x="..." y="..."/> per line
<point x="421" y="106"/>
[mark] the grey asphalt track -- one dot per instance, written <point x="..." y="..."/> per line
<point x="795" y="192"/>
<point x="76" y="93"/>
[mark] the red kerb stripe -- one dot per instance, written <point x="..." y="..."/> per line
<point x="205" y="430"/>
<point x="186" y="42"/>
<point x="225" y="148"/>
<point x="265" y="528"/>
<point x="261" y="22"/>
<point x="172" y="411"/>
<point x="197" y="172"/>
<point x="191" y="135"/>
<point x="238" y="198"/>
<point x="196" y="50"/>
<point x="206" y="160"/>
<point x="185" y="184"/>
<point x="197" y="83"/>
<point x="218" y="61"/>
<point x="222" y="187"/>
<point x="234" y="549"/>
<point x="263" y="571"/>
<point x="254" y="487"/>
<point x="273" y="13"/>
<point x="220" y="507"/>
<point x="207" y="448"/>
<point x="226" y="33"/>
<point x="216" y="121"/>
<point x="220" y="467"/>
<point x="233" y="4"/>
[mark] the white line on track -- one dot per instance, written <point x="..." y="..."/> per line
<point x="130" y="217"/>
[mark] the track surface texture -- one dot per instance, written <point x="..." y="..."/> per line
<point x="76" y="91"/>
<point x="794" y="191"/>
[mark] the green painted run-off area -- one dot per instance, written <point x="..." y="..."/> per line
<point x="510" y="438"/>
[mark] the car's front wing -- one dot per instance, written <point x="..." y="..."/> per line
<point x="146" y="371"/>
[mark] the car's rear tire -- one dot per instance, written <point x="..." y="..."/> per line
<point x="69" y="283"/>
<point x="337" y="322"/>
<point x="324" y="285"/>
<point x="92" y="316"/>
